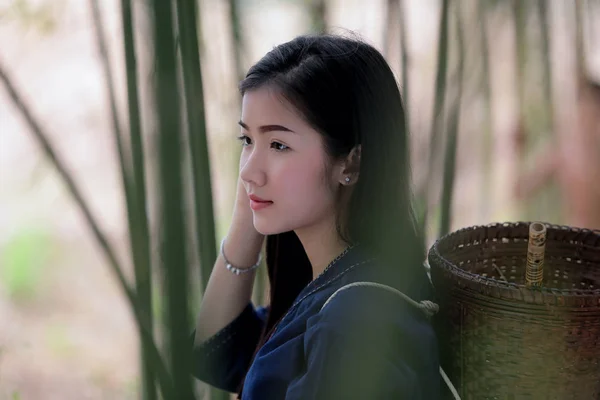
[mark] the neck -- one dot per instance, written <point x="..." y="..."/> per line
<point x="322" y="245"/>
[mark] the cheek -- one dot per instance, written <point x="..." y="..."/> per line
<point x="302" y="195"/>
<point x="303" y="185"/>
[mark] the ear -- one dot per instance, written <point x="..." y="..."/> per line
<point x="350" y="167"/>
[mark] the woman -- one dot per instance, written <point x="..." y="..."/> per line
<point x="324" y="176"/>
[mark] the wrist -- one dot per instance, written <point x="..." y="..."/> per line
<point x="242" y="226"/>
<point x="242" y="246"/>
<point x="236" y="269"/>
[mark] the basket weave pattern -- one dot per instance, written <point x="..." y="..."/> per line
<point x="501" y="339"/>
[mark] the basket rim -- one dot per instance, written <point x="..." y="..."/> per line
<point x="476" y="278"/>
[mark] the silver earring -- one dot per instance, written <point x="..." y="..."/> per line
<point x="347" y="179"/>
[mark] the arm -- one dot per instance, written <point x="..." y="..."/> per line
<point x="228" y="327"/>
<point x="359" y="351"/>
<point x="228" y="294"/>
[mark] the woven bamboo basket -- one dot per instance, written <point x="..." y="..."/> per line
<point x="502" y="339"/>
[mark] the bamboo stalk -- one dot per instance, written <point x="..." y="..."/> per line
<point x="437" y="118"/>
<point x="389" y="31"/>
<point x="170" y="193"/>
<point x="188" y="19"/>
<point x="521" y="135"/>
<point x="236" y="35"/>
<point x="580" y="56"/>
<point x="135" y="210"/>
<point x="238" y="45"/>
<point x="196" y="127"/>
<point x="542" y="8"/>
<point x="141" y="247"/>
<point x="520" y="19"/>
<point x="487" y="143"/>
<point x="405" y="59"/>
<point x="124" y="163"/>
<point x="138" y="235"/>
<point x="318" y="15"/>
<point x="451" y="144"/>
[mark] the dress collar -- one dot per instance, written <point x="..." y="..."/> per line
<point x="350" y="257"/>
<point x="347" y="260"/>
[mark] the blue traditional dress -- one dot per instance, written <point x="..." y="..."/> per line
<point x="366" y="344"/>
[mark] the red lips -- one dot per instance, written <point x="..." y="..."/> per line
<point x="257" y="203"/>
<point x="258" y="199"/>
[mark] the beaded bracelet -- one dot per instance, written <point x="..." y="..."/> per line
<point x="237" y="270"/>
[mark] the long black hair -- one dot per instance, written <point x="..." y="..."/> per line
<point x="346" y="91"/>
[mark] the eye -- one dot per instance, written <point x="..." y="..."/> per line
<point x="246" y="141"/>
<point x="279" y="146"/>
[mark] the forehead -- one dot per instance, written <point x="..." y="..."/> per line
<point x="266" y="105"/>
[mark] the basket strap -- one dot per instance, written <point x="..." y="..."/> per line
<point x="429" y="308"/>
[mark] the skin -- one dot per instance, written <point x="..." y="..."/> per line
<point x="284" y="160"/>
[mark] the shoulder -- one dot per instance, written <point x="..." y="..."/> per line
<point x="378" y="338"/>
<point x="372" y="304"/>
<point x="376" y="291"/>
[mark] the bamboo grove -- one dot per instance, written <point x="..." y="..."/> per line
<point x="178" y="148"/>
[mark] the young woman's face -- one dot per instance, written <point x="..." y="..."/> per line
<point x="283" y="162"/>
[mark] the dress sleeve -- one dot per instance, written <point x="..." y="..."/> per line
<point x="357" y="351"/>
<point x="223" y="359"/>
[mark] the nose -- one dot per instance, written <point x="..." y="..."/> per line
<point x="252" y="170"/>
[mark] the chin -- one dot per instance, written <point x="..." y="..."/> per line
<point x="266" y="230"/>
<point x="266" y="227"/>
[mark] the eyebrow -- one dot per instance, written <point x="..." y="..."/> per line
<point x="267" y="128"/>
